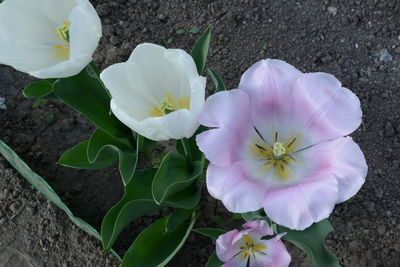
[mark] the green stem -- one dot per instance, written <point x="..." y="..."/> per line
<point x="187" y="150"/>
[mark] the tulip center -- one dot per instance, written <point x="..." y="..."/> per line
<point x="169" y="104"/>
<point x="250" y="247"/>
<point x="277" y="157"/>
<point x="278" y="150"/>
<point x="62" y="51"/>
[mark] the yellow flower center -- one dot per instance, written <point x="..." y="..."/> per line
<point x="250" y="247"/>
<point x="278" y="157"/>
<point x="170" y="105"/>
<point x="62" y="51"/>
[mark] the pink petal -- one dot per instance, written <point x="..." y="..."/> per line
<point x="236" y="192"/>
<point x="269" y="83"/>
<point x="259" y="225"/>
<point x="225" y="109"/>
<point x="329" y="110"/>
<point x="298" y="206"/>
<point x="224" y="245"/>
<point x="219" y="145"/>
<point x="277" y="255"/>
<point x="344" y="159"/>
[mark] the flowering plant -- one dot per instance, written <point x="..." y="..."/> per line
<point x="275" y="150"/>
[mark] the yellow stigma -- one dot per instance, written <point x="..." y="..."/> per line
<point x="62" y="52"/>
<point x="250" y="247"/>
<point x="63" y="31"/>
<point x="278" y="150"/>
<point x="170" y="105"/>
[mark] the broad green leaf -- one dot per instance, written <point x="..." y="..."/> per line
<point x="40" y="184"/>
<point x="173" y="175"/>
<point x="76" y="157"/>
<point x="218" y="82"/>
<point x="210" y="232"/>
<point x="188" y="198"/>
<point x="38" y="89"/>
<point x="200" y="50"/>
<point x="311" y="241"/>
<point x="154" y="247"/>
<point x="86" y="94"/>
<point x="176" y="218"/>
<point x="213" y="261"/>
<point x="102" y="143"/>
<point x="137" y="201"/>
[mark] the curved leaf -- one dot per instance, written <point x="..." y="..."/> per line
<point x="43" y="187"/>
<point x="173" y="175"/>
<point x="200" y="50"/>
<point x="210" y="232"/>
<point x="38" y="89"/>
<point x="86" y="94"/>
<point x="213" y="261"/>
<point x="76" y="157"/>
<point x="136" y="202"/>
<point x="311" y="241"/>
<point x="188" y="198"/>
<point x="153" y="247"/>
<point x="218" y="82"/>
<point x="102" y="143"/>
<point x="176" y="218"/>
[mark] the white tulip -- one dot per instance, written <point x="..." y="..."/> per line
<point x="157" y="92"/>
<point x="48" y="38"/>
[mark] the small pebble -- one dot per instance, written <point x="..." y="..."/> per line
<point x="3" y="103"/>
<point x="332" y="10"/>
<point x="385" y="56"/>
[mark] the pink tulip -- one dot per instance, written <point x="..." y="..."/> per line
<point x="239" y="248"/>
<point x="279" y="143"/>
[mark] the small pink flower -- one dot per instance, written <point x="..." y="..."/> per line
<point x="278" y="142"/>
<point x="239" y="248"/>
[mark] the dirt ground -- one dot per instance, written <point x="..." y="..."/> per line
<point x="357" y="41"/>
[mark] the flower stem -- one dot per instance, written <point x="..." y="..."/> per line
<point x="186" y="149"/>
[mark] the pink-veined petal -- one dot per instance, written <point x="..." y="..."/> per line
<point x="229" y="185"/>
<point x="224" y="245"/>
<point x="344" y="159"/>
<point x="300" y="205"/>
<point x="329" y="110"/>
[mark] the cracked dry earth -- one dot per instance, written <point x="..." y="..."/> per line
<point x="357" y="41"/>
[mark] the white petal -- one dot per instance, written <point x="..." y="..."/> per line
<point x="27" y="35"/>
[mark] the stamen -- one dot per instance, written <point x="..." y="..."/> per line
<point x="262" y="138"/>
<point x="291" y="142"/>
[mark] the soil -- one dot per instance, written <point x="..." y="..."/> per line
<point x="357" y="41"/>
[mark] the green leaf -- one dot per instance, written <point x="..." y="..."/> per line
<point x="101" y="142"/>
<point x="218" y="82"/>
<point x="136" y="202"/>
<point x="86" y="94"/>
<point x="186" y="199"/>
<point x="210" y="232"/>
<point x="146" y="145"/>
<point x="194" y="30"/>
<point x="40" y="184"/>
<point x="176" y="218"/>
<point x="173" y="175"/>
<point x="38" y="89"/>
<point x="200" y="50"/>
<point x="153" y="247"/>
<point x="311" y="241"/>
<point x="213" y="261"/>
<point x="76" y="157"/>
